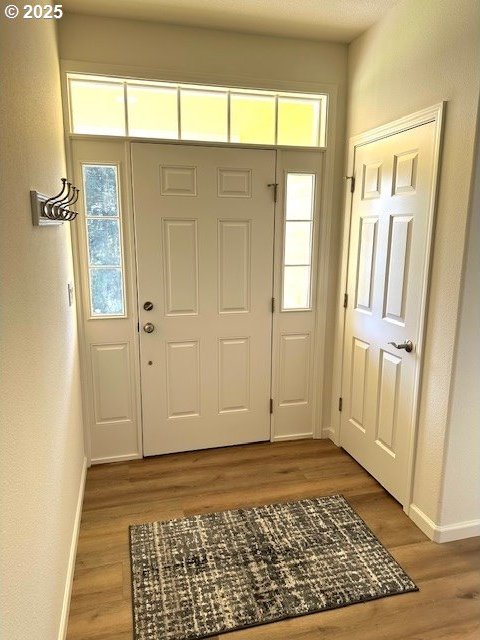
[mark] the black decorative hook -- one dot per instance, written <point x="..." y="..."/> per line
<point x="48" y="205"/>
<point x="58" y="207"/>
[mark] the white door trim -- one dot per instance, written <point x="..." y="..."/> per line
<point x="434" y="114"/>
<point x="325" y="247"/>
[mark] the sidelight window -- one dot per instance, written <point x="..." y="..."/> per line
<point x="298" y="242"/>
<point x="104" y="240"/>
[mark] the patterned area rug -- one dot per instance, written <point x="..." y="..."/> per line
<point x="203" y="575"/>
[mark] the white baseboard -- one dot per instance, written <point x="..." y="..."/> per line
<point x="293" y="436"/>
<point x="62" y="633"/>
<point x="122" y="458"/>
<point x="327" y="432"/>
<point x="443" y="533"/>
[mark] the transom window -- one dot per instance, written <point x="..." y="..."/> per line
<point x="119" y="107"/>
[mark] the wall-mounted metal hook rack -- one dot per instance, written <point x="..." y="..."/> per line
<point x="56" y="209"/>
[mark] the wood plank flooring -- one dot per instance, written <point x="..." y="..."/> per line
<point x="447" y="607"/>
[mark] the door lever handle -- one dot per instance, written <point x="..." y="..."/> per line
<point x="407" y="345"/>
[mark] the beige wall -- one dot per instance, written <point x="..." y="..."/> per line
<point x="41" y="441"/>
<point x="196" y="52"/>
<point x="422" y="52"/>
<point x="165" y="51"/>
<point x="461" y="498"/>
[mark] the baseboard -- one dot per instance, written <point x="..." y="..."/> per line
<point x="443" y="533"/>
<point x="327" y="432"/>
<point x="62" y="633"/>
<point x="122" y="458"/>
<point x="293" y="436"/>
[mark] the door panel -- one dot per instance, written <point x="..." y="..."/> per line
<point x="183" y="379"/>
<point x="180" y="264"/>
<point x="234" y="374"/>
<point x="204" y="220"/>
<point x="386" y="271"/>
<point x="294" y="369"/>
<point x="234" y="275"/>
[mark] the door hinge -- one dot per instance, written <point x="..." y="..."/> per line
<point x="273" y="305"/>
<point x="275" y="189"/>
<point x="340" y="404"/>
<point x="352" y="183"/>
<point x="345" y="300"/>
<point x="271" y="405"/>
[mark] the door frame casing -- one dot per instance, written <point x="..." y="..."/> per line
<point x="434" y="114"/>
<point x="326" y="224"/>
<point x="121" y="155"/>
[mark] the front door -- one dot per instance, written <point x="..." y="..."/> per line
<point x="204" y="222"/>
<point x="391" y="213"/>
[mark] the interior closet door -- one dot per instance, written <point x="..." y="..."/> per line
<point x="391" y="212"/>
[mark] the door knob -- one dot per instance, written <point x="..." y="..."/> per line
<point x="149" y="327"/>
<point x="407" y="345"/>
<point x="148" y="306"/>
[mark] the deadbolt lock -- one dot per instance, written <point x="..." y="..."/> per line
<point x="148" y="306"/>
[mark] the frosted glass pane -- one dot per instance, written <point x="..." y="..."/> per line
<point x="298" y="121"/>
<point x="203" y="115"/>
<point x="300" y="196"/>
<point x="298" y="247"/>
<point x="103" y="242"/>
<point x="296" y="288"/>
<point x="106" y="292"/>
<point x="252" y="119"/>
<point x="100" y="189"/>
<point x="152" y="112"/>
<point x="97" y="108"/>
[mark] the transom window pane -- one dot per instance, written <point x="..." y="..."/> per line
<point x="97" y="108"/>
<point x="298" y="241"/>
<point x="204" y="115"/>
<point x="152" y="112"/>
<point x="252" y="118"/>
<point x="104" y="242"/>
<point x="298" y="122"/>
<point x="165" y="110"/>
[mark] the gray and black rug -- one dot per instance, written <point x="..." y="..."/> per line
<point x="203" y="575"/>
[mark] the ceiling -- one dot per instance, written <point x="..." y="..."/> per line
<point x="329" y="20"/>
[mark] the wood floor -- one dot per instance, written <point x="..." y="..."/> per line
<point x="447" y="607"/>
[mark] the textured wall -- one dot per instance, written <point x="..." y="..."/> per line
<point x="187" y="53"/>
<point x="41" y="441"/>
<point x="461" y="499"/>
<point x="149" y="45"/>
<point x="422" y="52"/>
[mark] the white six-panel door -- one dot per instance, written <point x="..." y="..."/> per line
<point x="386" y="272"/>
<point x="204" y="220"/>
